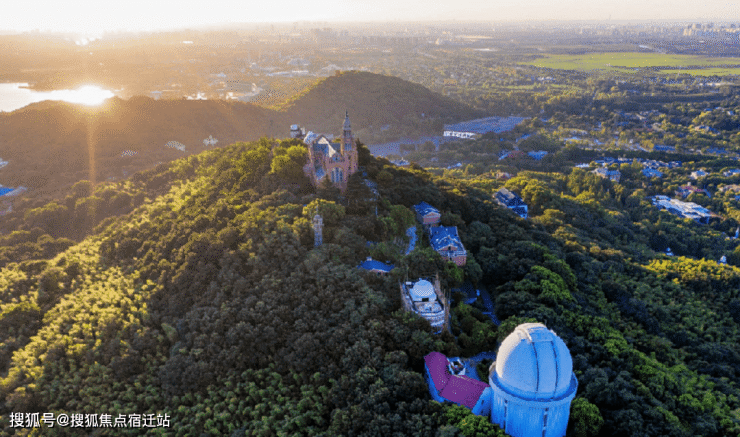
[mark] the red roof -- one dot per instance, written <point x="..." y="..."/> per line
<point x="458" y="389"/>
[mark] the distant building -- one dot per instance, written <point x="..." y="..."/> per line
<point x="507" y="199"/>
<point x="377" y="267"/>
<point x="476" y="128"/>
<point x="731" y="172"/>
<point x="685" y="190"/>
<point x="328" y="160"/>
<point x="446" y="242"/>
<point x="612" y="175"/>
<point x="537" y="155"/>
<point x="425" y="299"/>
<point x="652" y="173"/>
<point x="427" y="214"/>
<point x="684" y="209"/>
<point x="530" y="385"/>
<point x="698" y="174"/>
<point x="664" y="148"/>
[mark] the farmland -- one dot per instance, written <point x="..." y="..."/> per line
<point x="627" y="62"/>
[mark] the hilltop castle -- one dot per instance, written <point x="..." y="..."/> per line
<point x="326" y="159"/>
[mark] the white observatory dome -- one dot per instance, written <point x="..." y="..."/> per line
<point x="534" y="363"/>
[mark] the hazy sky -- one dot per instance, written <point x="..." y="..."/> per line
<point x="88" y="17"/>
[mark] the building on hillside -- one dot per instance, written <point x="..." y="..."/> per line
<point x="427" y="214"/>
<point x="375" y="266"/>
<point x="478" y="127"/>
<point x="445" y="385"/>
<point x="684" y="209"/>
<point x="426" y="299"/>
<point x="327" y="160"/>
<point x="612" y="175"/>
<point x="685" y="190"/>
<point x="652" y="173"/>
<point x="507" y="199"/>
<point x="698" y="174"/>
<point x="446" y="242"/>
<point x="530" y="385"/>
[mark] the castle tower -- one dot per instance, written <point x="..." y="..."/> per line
<point x="533" y="383"/>
<point x="347" y="139"/>
<point x="318" y="226"/>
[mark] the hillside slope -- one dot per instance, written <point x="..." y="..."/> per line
<point x="208" y="303"/>
<point x="52" y="145"/>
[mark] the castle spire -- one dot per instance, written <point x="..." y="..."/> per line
<point x="346" y="121"/>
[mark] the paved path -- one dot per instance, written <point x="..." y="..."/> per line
<point x="488" y="303"/>
<point x="411" y="232"/>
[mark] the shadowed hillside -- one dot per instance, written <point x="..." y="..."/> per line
<point x="52" y="145"/>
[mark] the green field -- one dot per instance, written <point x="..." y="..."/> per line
<point x="632" y="62"/>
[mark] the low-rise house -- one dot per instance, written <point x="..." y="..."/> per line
<point x="652" y="173"/>
<point x="732" y="172"/>
<point x="612" y="175"/>
<point x="685" y="190"/>
<point x="446" y="242"/>
<point x="427" y="214"/>
<point x="445" y="385"/>
<point x="375" y="266"/>
<point x="510" y="200"/>
<point x="698" y="174"/>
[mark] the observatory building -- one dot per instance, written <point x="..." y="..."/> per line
<point x="530" y="386"/>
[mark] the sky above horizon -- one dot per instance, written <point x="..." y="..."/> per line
<point x="88" y="17"/>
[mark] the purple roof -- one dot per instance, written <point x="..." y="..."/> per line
<point x="463" y="390"/>
<point x="437" y="365"/>
<point x="458" y="389"/>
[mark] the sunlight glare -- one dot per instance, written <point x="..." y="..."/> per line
<point x="90" y="95"/>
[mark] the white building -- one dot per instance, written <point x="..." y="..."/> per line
<point x="420" y="297"/>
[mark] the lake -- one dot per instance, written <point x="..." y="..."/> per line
<point x="15" y="96"/>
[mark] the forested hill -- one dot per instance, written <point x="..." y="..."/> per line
<point x="199" y="295"/>
<point x="52" y="145"/>
<point x="376" y="102"/>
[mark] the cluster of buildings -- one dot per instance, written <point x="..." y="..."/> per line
<point x="443" y="239"/>
<point x="683" y="209"/>
<point x="650" y="167"/>
<point x="530" y="385"/>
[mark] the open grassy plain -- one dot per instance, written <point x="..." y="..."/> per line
<point x="626" y="62"/>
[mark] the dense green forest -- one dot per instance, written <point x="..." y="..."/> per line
<point x="194" y="290"/>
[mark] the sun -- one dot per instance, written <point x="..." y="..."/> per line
<point x="91" y="95"/>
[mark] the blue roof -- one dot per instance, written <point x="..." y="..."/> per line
<point x="5" y="190"/>
<point x="372" y="264"/>
<point x="443" y="236"/>
<point x="424" y="208"/>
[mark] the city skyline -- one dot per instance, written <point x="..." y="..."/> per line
<point x="88" y="18"/>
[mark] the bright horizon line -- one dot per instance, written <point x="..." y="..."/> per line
<point x="226" y="24"/>
<point x="89" y="17"/>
